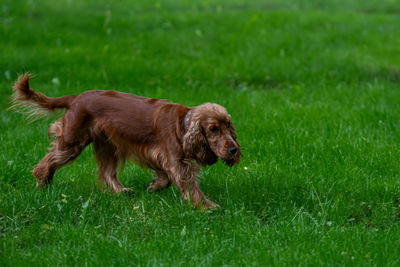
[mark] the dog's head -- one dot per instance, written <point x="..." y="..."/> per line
<point x="210" y="135"/>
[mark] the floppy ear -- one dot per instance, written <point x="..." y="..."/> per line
<point x="195" y="145"/>
<point x="236" y="158"/>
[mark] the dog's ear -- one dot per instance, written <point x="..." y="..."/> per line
<point x="195" y="145"/>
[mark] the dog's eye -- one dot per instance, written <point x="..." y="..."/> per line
<point x="214" y="129"/>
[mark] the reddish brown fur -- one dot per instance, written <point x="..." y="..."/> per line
<point x="169" y="138"/>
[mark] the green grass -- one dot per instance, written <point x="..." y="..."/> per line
<point x="313" y="90"/>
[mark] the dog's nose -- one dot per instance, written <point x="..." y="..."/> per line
<point x="233" y="150"/>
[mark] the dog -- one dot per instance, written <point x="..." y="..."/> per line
<point x="171" y="139"/>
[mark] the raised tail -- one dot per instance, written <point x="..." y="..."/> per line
<point x="35" y="104"/>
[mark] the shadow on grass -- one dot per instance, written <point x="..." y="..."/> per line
<point x="390" y="74"/>
<point x="273" y="202"/>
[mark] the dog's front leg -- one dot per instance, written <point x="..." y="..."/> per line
<point x="184" y="177"/>
<point x="192" y="193"/>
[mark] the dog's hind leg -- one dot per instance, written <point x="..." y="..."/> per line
<point x="107" y="159"/>
<point x="61" y="153"/>
<point x="161" y="181"/>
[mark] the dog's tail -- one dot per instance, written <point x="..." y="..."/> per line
<point x="35" y="104"/>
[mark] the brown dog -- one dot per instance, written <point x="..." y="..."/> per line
<point x="169" y="138"/>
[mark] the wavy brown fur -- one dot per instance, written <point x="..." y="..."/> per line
<point x="36" y="105"/>
<point x="169" y="138"/>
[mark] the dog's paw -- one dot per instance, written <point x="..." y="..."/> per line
<point x="127" y="191"/>
<point x="158" y="184"/>
<point x="152" y="188"/>
<point x="209" y="205"/>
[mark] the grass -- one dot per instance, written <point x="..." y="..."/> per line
<point x="313" y="90"/>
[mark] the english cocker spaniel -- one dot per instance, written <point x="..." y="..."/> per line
<point x="169" y="138"/>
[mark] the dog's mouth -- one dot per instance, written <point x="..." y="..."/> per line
<point x="227" y="156"/>
<point x="223" y="155"/>
<point x="232" y="159"/>
<point x="230" y="162"/>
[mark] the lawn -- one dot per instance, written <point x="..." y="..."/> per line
<point x="313" y="91"/>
